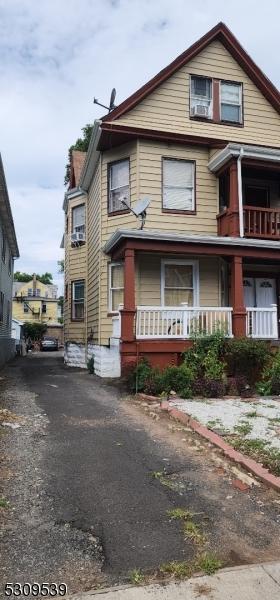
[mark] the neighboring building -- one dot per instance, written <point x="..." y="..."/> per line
<point x="17" y="333"/>
<point x="8" y="252"/>
<point x="201" y="140"/>
<point x="35" y="301"/>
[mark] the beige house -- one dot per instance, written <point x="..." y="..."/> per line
<point x="200" y="144"/>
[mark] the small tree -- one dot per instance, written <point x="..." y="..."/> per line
<point x="82" y="144"/>
<point x="33" y="330"/>
<point x="45" y="278"/>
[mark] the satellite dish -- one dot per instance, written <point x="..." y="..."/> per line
<point x="139" y="209"/>
<point x="112" y="99"/>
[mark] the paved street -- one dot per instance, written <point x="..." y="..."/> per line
<point x="90" y="478"/>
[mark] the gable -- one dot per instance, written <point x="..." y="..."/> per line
<point x="167" y="107"/>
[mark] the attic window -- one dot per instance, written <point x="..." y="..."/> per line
<point x="231" y="102"/>
<point x="201" y="97"/>
<point x="118" y="185"/>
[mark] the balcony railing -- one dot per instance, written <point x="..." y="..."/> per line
<point x="181" y="322"/>
<point x="262" y="323"/>
<point x="262" y="222"/>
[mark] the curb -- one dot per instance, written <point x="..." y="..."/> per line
<point x="247" y="463"/>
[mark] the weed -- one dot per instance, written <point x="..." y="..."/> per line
<point x="157" y="474"/>
<point x="177" y="569"/>
<point x="209" y="563"/>
<point x="260" y="451"/>
<point x="180" y="513"/>
<point x="252" y="414"/>
<point x="274" y="420"/>
<point x="193" y="532"/>
<point x="243" y="427"/>
<point x="136" y="576"/>
<point x="4" y="503"/>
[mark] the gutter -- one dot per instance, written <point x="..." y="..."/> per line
<point x="92" y="158"/>
<point x="240" y="192"/>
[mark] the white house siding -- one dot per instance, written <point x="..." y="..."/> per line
<point x="7" y="343"/>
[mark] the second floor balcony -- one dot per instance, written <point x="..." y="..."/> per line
<point x="249" y="192"/>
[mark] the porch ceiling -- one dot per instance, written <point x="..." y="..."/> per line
<point x="160" y="241"/>
<point x="256" y="153"/>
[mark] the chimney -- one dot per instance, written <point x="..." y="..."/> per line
<point x="34" y="284"/>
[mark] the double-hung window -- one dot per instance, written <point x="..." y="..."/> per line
<point x="118" y="174"/>
<point x="78" y="219"/>
<point x="201" y="97"/>
<point x="25" y="307"/>
<point x="78" y="300"/>
<point x="3" y="251"/>
<point x="178" y="184"/>
<point x="231" y="102"/>
<point x="116" y="286"/>
<point x="179" y="282"/>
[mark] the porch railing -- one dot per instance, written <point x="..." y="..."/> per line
<point x="262" y="322"/>
<point x="181" y="322"/>
<point x="262" y="222"/>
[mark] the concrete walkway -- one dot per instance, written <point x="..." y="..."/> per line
<point x="253" y="582"/>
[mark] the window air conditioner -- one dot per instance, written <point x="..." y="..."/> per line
<point x="200" y="110"/>
<point x="78" y="237"/>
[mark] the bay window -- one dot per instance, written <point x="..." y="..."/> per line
<point x="118" y="185"/>
<point x="178" y="184"/>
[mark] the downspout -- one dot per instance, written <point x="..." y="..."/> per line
<point x="240" y="193"/>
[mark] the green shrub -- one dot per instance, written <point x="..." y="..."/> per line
<point x="209" y="388"/>
<point x="205" y="356"/>
<point x="139" y="375"/>
<point x="154" y="383"/>
<point x="271" y="376"/>
<point x="246" y="357"/>
<point x="178" y="378"/>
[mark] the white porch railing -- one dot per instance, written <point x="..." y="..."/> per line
<point x="181" y="322"/>
<point x="262" y="322"/>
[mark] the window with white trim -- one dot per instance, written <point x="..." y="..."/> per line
<point x="78" y="300"/>
<point x="116" y="286"/>
<point x="179" y="283"/>
<point x="118" y="185"/>
<point x="178" y="184"/>
<point x="78" y="219"/>
<point x="201" y="97"/>
<point x="231" y="101"/>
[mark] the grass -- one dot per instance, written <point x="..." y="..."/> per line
<point x="180" y="513"/>
<point x="274" y="420"/>
<point x="243" y="427"/>
<point x="209" y="563"/>
<point x="180" y="570"/>
<point x="136" y="576"/>
<point x="4" y="503"/>
<point x="252" y="414"/>
<point x="193" y="532"/>
<point x="260" y="451"/>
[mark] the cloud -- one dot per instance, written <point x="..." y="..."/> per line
<point x="56" y="55"/>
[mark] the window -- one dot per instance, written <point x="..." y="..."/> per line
<point x="44" y="307"/>
<point x="179" y="283"/>
<point x="25" y="307"/>
<point x="8" y="313"/>
<point x="1" y="307"/>
<point x="3" y="247"/>
<point x="78" y="300"/>
<point x="10" y="263"/>
<point x="178" y="184"/>
<point x="115" y="286"/>
<point x="118" y="185"/>
<point x="78" y="219"/>
<point x="30" y="292"/>
<point x="38" y="292"/>
<point x="231" y="101"/>
<point x="201" y="97"/>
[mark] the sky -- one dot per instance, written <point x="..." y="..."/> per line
<point x="56" y="55"/>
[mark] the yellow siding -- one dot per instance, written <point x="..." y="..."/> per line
<point x="167" y="108"/>
<point x="49" y="317"/>
<point x="75" y="268"/>
<point x="94" y="250"/>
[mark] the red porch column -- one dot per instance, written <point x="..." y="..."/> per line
<point x="233" y="209"/>
<point x="128" y="312"/>
<point x="237" y="298"/>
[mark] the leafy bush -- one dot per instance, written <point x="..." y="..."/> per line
<point x="237" y="386"/>
<point x="139" y="376"/>
<point x="246" y="357"/>
<point x="209" y="388"/>
<point x="271" y="377"/>
<point x="178" y="378"/>
<point x="33" y="330"/>
<point x="154" y="383"/>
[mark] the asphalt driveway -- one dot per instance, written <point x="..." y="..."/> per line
<point x="86" y="502"/>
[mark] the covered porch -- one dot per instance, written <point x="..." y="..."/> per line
<point x="196" y="284"/>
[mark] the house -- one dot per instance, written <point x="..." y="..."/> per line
<point x="35" y="301"/>
<point x="8" y="252"/>
<point x="201" y="141"/>
<point x="17" y="333"/>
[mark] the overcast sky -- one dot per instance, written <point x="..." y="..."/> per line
<point x="56" y="55"/>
